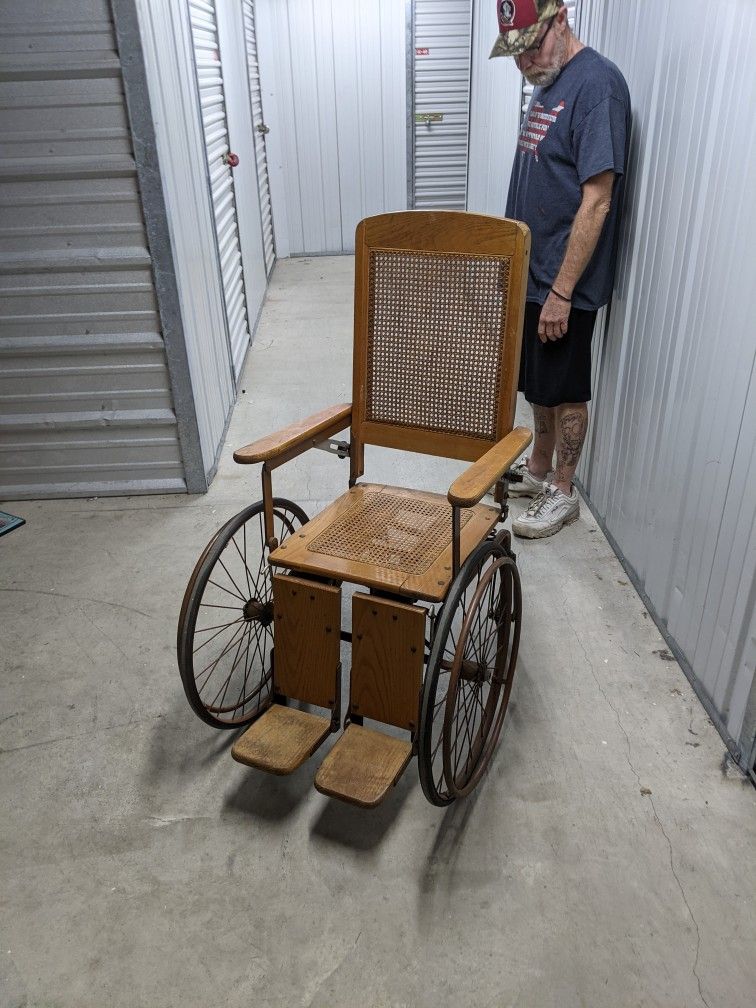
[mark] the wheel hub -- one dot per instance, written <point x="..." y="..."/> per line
<point x="257" y="611"/>
<point x="473" y="672"/>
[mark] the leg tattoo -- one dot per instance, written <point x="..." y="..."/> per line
<point x="572" y="424"/>
<point x="544" y="440"/>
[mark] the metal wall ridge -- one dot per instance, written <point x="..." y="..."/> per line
<point x="43" y="69"/>
<point x="14" y="29"/>
<point x="66" y="167"/>
<point x="63" y="261"/>
<point x="94" y="489"/>
<point x="79" y="344"/>
<point x="93" y="420"/>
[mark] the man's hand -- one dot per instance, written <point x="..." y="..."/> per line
<point x="552" y="324"/>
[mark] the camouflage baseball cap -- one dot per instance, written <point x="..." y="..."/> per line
<point x="519" y="22"/>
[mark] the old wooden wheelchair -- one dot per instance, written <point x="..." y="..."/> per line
<point x="439" y="301"/>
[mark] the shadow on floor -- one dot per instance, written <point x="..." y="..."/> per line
<point x="363" y="829"/>
<point x="442" y="858"/>
<point x="269" y="797"/>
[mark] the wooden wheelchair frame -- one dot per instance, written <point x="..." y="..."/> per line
<point x="439" y="304"/>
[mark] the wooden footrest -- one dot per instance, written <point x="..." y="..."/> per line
<point x="281" y="740"/>
<point x="363" y="766"/>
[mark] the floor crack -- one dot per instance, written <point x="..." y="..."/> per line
<point x="77" y="598"/>
<point x="601" y="689"/>
<point x="614" y="710"/>
<point x="685" y="901"/>
<point x="338" y="965"/>
<point x="76" y="735"/>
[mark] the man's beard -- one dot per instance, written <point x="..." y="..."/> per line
<point x="545" y="76"/>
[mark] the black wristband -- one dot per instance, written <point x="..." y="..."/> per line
<point x="561" y="296"/>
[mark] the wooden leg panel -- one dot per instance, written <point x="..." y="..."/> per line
<point x="281" y="740"/>
<point x="363" y="766"/>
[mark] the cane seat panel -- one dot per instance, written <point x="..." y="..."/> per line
<point x="436" y="325"/>
<point x="390" y="530"/>
<point x="386" y="537"/>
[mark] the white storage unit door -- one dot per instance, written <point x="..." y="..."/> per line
<point x="441" y="37"/>
<point x="260" y="131"/>
<point x="86" y="406"/>
<point x="215" y="128"/>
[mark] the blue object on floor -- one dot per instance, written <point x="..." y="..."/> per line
<point x="8" y="522"/>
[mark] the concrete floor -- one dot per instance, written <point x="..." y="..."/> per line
<point x="608" y="858"/>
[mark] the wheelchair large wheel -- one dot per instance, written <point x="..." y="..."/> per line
<point x="469" y="674"/>
<point x="225" y="630"/>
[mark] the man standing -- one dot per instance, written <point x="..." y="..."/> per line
<point x="566" y="185"/>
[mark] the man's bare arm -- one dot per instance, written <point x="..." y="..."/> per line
<point x="584" y="236"/>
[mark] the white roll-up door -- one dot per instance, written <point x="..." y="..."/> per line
<point x="440" y="106"/>
<point x="86" y="404"/>
<point x="260" y="130"/>
<point x="215" y="128"/>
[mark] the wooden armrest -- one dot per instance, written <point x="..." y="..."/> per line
<point x="297" y="435"/>
<point x="478" y="478"/>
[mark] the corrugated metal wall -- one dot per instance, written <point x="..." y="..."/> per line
<point x="210" y="72"/>
<point x="338" y="117"/>
<point x="167" y="45"/>
<point x="671" y="467"/>
<point x="84" y="387"/>
<point x="440" y="106"/>
<point x="260" y="131"/>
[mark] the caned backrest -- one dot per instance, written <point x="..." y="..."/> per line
<point x="439" y="303"/>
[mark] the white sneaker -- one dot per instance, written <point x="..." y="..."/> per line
<point x="550" y="511"/>
<point x="531" y="486"/>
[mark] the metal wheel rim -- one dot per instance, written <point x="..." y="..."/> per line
<point x="482" y="738"/>
<point x="242" y="645"/>
<point x="432" y="710"/>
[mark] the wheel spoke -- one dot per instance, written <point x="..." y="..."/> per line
<point x="243" y="556"/>
<point x="241" y="595"/>
<point x="212" y="666"/>
<point x="224" y="687"/>
<point x="210" y="605"/>
<point x="211" y="639"/>
<point x="215" y="583"/>
<point x="221" y="626"/>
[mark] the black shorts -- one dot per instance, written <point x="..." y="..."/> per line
<point x="556" y="372"/>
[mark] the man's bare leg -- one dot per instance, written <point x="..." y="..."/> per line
<point x="544" y="440"/>
<point x="571" y="427"/>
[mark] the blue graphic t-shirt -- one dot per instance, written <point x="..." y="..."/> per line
<point x="576" y="128"/>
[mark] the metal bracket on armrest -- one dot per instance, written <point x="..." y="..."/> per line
<point x="340" y="448"/>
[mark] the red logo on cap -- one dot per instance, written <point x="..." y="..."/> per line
<point x="514" y="16"/>
<point x="506" y="13"/>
